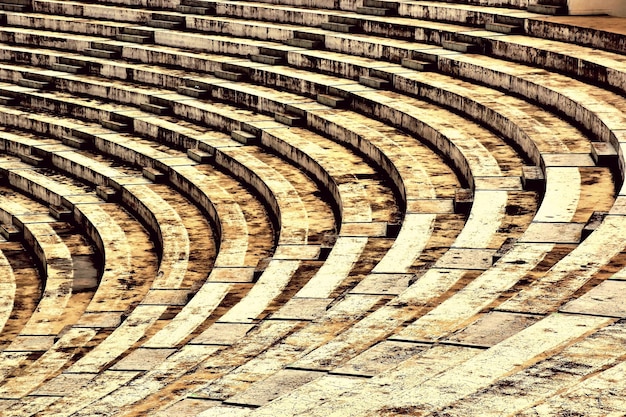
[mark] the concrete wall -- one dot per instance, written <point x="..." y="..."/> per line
<point x="612" y="7"/>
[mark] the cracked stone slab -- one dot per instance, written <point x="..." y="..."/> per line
<point x="383" y="284"/>
<point x="166" y="297"/>
<point x="281" y="382"/>
<point x="380" y="357"/>
<point x="232" y="275"/>
<point x="373" y="229"/>
<point x="62" y="384"/>
<point x="467" y="259"/>
<point x="607" y="299"/>
<point x="187" y="407"/>
<point x="303" y="309"/>
<point x="297" y="252"/>
<point x="31" y="344"/>
<point x="435" y="206"/>
<point x="100" y="319"/>
<point x="568" y="160"/>
<point x="223" y="333"/>
<point x="142" y="359"/>
<point x="553" y="233"/>
<point x="492" y="328"/>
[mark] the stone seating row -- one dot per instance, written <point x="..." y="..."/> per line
<point x="144" y="315"/>
<point x="463" y="244"/>
<point x="454" y="31"/>
<point x="174" y="18"/>
<point x="51" y="316"/>
<point x="104" y="148"/>
<point x="603" y="134"/>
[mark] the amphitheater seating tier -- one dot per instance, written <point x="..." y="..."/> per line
<point x="286" y="207"/>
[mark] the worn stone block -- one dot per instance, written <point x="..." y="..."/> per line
<point x="288" y="119"/>
<point x="604" y="154"/>
<point x="533" y="178"/>
<point x="243" y="137"/>
<point x="199" y="156"/>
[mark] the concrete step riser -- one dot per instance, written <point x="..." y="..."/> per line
<point x="375" y="11"/>
<point x="547" y="9"/>
<point x="340" y="27"/>
<point x="381" y="4"/>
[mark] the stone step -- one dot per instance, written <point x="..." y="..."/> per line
<point x="533" y="178"/>
<point x="74" y="142"/>
<point x="330" y="100"/>
<point x="375" y="11"/>
<point x="266" y="59"/>
<point x="503" y="28"/>
<point x="593" y="223"/>
<point x="33" y="160"/>
<point x="310" y="36"/>
<point x="460" y="46"/>
<point x="107" y="47"/>
<point x="381" y="4"/>
<point x="10" y="232"/>
<point x="547" y="9"/>
<point x="26" y="82"/>
<point x="604" y="154"/>
<point x="138" y="31"/>
<point x="107" y="194"/>
<point x="344" y="20"/>
<point x="60" y="212"/>
<point x="374" y="82"/>
<point x="243" y="137"/>
<point x="196" y="92"/>
<point x="155" y="108"/>
<point x="418" y="65"/>
<point x="463" y="200"/>
<point x="201" y="157"/>
<point x="100" y="53"/>
<point x="304" y="43"/>
<point x="73" y="69"/>
<point x="115" y="125"/>
<point x="9" y="7"/>
<point x="229" y="75"/>
<point x="339" y="27"/>
<point x="71" y="61"/>
<point x="288" y="119"/>
<point x="8" y="101"/>
<point x="274" y="52"/>
<point x="123" y="37"/>
<point x="164" y="24"/>
<point x="168" y="17"/>
<point x="203" y="11"/>
<point x="154" y="174"/>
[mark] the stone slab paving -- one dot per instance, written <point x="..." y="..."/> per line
<point x="543" y="380"/>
